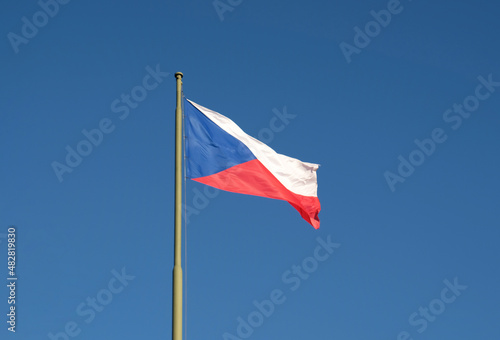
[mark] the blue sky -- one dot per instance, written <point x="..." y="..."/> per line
<point x="398" y="101"/>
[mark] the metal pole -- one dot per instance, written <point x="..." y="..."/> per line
<point x="177" y="275"/>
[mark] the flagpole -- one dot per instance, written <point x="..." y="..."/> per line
<point x="177" y="274"/>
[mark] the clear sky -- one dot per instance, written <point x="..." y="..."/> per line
<point x="398" y="101"/>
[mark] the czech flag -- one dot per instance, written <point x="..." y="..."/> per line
<point x="221" y="155"/>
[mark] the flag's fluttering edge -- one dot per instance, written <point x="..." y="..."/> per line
<point x="221" y="155"/>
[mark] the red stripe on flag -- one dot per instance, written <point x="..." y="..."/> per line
<point x="253" y="178"/>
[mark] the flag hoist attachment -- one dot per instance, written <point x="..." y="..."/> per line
<point x="177" y="274"/>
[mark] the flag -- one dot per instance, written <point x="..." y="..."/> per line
<point x="220" y="154"/>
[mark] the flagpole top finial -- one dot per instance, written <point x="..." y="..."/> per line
<point x="178" y="75"/>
